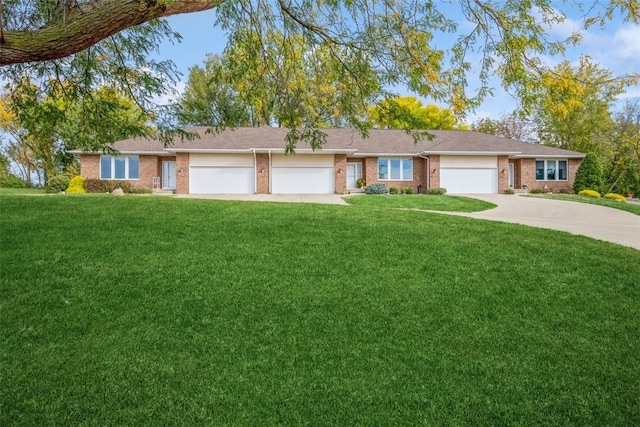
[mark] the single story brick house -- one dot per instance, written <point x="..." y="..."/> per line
<point x="252" y="160"/>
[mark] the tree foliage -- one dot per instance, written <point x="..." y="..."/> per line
<point x="511" y="126"/>
<point x="408" y="112"/>
<point x="41" y="129"/>
<point x="361" y="48"/>
<point x="589" y="174"/>
<point x="574" y="103"/>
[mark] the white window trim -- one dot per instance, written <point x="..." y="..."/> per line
<point x="557" y="169"/>
<point x="388" y="159"/>
<point x="113" y="168"/>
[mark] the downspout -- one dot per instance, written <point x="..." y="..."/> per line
<point x="428" y="175"/>
<point x="255" y="172"/>
<point x="270" y="171"/>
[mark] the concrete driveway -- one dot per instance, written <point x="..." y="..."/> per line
<point x="598" y="222"/>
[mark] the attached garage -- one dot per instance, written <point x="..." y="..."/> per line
<point x="221" y="174"/>
<point x="469" y="174"/>
<point x="302" y="174"/>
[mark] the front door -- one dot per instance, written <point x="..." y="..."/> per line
<point x="511" y="175"/>
<point x="169" y="175"/>
<point x="354" y="172"/>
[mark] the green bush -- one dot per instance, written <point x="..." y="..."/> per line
<point x="393" y="190"/>
<point x="12" y="181"/>
<point x="377" y="188"/>
<point x="105" y="186"/>
<point x="614" y="196"/>
<point x="57" y="184"/>
<point x="437" y="191"/>
<point x="589" y="174"/>
<point x="509" y="191"/>
<point x="140" y="190"/>
<point x="589" y="193"/>
<point x="408" y="190"/>
<point x="539" y="190"/>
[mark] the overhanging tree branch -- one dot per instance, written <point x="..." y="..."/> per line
<point x="88" y="23"/>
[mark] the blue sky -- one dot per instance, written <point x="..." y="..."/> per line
<point x="616" y="48"/>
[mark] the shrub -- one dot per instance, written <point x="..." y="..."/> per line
<point x="361" y="183"/>
<point x="589" y="174"/>
<point x="614" y="196"/>
<point x="57" y="184"/>
<point x="509" y="191"/>
<point x="105" y="186"/>
<point x="12" y="181"/>
<point x="377" y="188"/>
<point x="140" y="190"/>
<point x="437" y="191"/>
<point x="589" y="193"/>
<point x="76" y="185"/>
<point x="393" y="190"/>
<point x="407" y="190"/>
<point x="539" y="190"/>
<point x="565" y="190"/>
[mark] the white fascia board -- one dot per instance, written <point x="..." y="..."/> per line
<point x="136" y="153"/>
<point x="470" y="153"/>
<point x="210" y="150"/>
<point x="549" y="156"/>
<point x="414" y="154"/>
<point x="307" y="151"/>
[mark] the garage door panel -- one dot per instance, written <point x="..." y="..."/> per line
<point x="302" y="181"/>
<point x="221" y="180"/>
<point x="469" y="181"/>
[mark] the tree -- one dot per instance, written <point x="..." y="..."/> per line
<point x="574" y="104"/>
<point x="589" y="174"/>
<point x="407" y="112"/>
<point x="42" y="129"/>
<point x="508" y="126"/>
<point x="368" y="46"/>
<point x="622" y="170"/>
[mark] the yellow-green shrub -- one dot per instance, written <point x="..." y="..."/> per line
<point x="589" y="193"/>
<point x="615" y="196"/>
<point x="76" y="185"/>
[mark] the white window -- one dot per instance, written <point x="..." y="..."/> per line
<point x="119" y="167"/>
<point x="551" y="170"/>
<point x="395" y="169"/>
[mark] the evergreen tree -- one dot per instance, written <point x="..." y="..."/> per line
<point x="589" y="174"/>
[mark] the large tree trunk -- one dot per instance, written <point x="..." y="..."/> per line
<point x="88" y="23"/>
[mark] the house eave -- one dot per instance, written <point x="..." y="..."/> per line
<point x="258" y="150"/>
<point x="470" y="153"/>
<point x="548" y="156"/>
<point x="124" y="152"/>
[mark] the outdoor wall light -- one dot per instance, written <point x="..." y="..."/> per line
<point x="434" y="171"/>
<point x="340" y="170"/>
<point x="262" y="170"/>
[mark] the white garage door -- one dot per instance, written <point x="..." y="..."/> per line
<point x="302" y="181"/>
<point x="221" y="180"/>
<point x="469" y="180"/>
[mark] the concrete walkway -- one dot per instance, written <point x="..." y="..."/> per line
<point x="598" y="222"/>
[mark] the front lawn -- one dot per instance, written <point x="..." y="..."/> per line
<point x="629" y="207"/>
<point x="422" y="202"/>
<point x="166" y="311"/>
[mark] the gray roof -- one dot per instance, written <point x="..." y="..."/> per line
<point x="379" y="141"/>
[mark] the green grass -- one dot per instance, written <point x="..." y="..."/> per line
<point x="629" y="207"/>
<point x="21" y="191"/>
<point x="163" y="311"/>
<point x="422" y="202"/>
